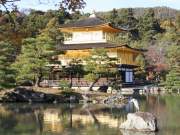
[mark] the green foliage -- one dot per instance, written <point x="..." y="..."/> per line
<point x="52" y="30"/>
<point x="173" y="79"/>
<point x="148" y="25"/>
<point x="32" y="63"/>
<point x="140" y="71"/>
<point x="97" y="64"/>
<point x="64" y="85"/>
<point x="114" y="17"/>
<point x="173" y="55"/>
<point x="7" y="56"/>
<point x="91" y="77"/>
<point x="72" y="5"/>
<point x="116" y="84"/>
<point x="127" y="19"/>
<point x="178" y="20"/>
<point x="34" y="22"/>
<point x="76" y="68"/>
<point x="8" y="31"/>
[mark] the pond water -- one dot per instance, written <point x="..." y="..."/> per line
<point x="75" y="119"/>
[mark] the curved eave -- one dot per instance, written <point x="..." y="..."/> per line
<point x="130" y="49"/>
<point x="110" y="46"/>
<point x="104" y="27"/>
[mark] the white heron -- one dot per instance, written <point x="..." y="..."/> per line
<point x="136" y="104"/>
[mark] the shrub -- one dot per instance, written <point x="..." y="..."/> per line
<point x="64" y="85"/>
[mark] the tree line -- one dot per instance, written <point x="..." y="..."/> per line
<point x="28" y="47"/>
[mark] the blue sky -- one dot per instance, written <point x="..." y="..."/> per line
<point x="101" y="5"/>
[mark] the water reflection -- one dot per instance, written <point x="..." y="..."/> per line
<point x="66" y="119"/>
<point x="78" y="117"/>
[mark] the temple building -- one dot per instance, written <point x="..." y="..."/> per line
<point x="82" y="36"/>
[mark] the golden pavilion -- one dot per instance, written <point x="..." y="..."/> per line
<point x="82" y="36"/>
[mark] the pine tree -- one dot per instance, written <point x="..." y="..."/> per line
<point x="173" y="77"/>
<point x="114" y="18"/>
<point x="97" y="64"/>
<point x="32" y="63"/>
<point x="127" y="19"/>
<point x="7" y="56"/>
<point x="178" y="20"/>
<point x="148" y="25"/>
<point x="140" y="71"/>
<point x="52" y="30"/>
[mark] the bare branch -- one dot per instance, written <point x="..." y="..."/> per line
<point x="72" y="5"/>
<point x="10" y="17"/>
<point x="7" y="1"/>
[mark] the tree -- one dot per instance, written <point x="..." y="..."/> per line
<point x="148" y="25"/>
<point x="173" y="55"/>
<point x="114" y="18"/>
<point x="5" y="6"/>
<point x="156" y="59"/>
<point x="52" y="31"/>
<point x="97" y="64"/>
<point x="141" y="62"/>
<point x="7" y="56"/>
<point x="128" y="19"/>
<point x="178" y="20"/>
<point x="65" y="6"/>
<point x="131" y="23"/>
<point x="32" y="62"/>
<point x="34" y="23"/>
<point x="74" y="69"/>
<point x="173" y="77"/>
<point x="72" y="5"/>
<point x="7" y="30"/>
<point x="125" y="19"/>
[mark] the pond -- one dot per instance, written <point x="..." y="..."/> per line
<point x="91" y="119"/>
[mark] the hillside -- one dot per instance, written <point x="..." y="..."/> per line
<point x="160" y="12"/>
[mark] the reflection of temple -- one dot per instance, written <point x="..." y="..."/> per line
<point x="102" y="119"/>
<point x="38" y="119"/>
<point x="53" y="122"/>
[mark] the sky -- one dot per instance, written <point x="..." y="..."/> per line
<point x="100" y="5"/>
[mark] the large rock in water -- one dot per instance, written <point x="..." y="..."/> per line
<point x="130" y="132"/>
<point x="140" y="121"/>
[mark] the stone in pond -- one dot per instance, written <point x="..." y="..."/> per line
<point x="140" y="121"/>
<point x="129" y="132"/>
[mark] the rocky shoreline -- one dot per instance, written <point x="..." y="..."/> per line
<point x="23" y="94"/>
<point x="34" y="95"/>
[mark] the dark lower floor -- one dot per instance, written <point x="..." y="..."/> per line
<point x="81" y="82"/>
<point x="125" y="75"/>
